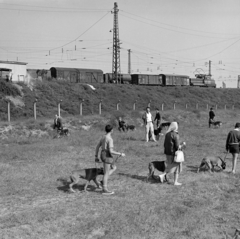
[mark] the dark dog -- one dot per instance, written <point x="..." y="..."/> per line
<point x="165" y="125"/>
<point x="217" y="123"/>
<point x="88" y="174"/>
<point x="159" y="165"/>
<point x="130" y="127"/>
<point x="157" y="133"/>
<point x="211" y="162"/>
<point x="64" y="132"/>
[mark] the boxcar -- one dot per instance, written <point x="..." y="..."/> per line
<point x="174" y="80"/>
<point x="144" y="79"/>
<point x="77" y="75"/>
<point x="124" y="78"/>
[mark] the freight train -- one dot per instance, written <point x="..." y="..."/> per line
<point x="78" y="75"/>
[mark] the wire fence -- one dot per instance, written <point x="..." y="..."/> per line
<point x="134" y="106"/>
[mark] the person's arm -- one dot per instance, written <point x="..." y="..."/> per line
<point x="113" y="152"/>
<point x="176" y="142"/>
<point x="97" y="150"/>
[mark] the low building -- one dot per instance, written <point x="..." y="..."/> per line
<point x="19" y="69"/>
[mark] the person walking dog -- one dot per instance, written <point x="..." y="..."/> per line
<point x="232" y="145"/>
<point x="106" y="143"/>
<point x="148" y="121"/>
<point x="211" y="117"/>
<point x="171" y="145"/>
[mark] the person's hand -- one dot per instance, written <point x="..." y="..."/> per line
<point x="97" y="160"/>
<point x="123" y="154"/>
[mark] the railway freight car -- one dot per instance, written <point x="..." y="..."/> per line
<point x="174" y="80"/>
<point x="202" y="80"/>
<point x="144" y="79"/>
<point x="124" y="78"/>
<point x="77" y="75"/>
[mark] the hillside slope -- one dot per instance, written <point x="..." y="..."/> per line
<point x="49" y="94"/>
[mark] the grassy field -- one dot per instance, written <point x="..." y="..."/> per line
<point x="35" y="202"/>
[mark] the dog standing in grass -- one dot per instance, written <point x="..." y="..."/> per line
<point x="88" y="174"/>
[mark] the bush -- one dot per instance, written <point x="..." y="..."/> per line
<point x="7" y="88"/>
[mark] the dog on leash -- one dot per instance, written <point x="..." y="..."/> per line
<point x="211" y="162"/>
<point x="159" y="165"/>
<point x="217" y="124"/>
<point x="88" y="174"/>
<point x="165" y="125"/>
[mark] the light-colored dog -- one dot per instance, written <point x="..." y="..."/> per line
<point x="211" y="162"/>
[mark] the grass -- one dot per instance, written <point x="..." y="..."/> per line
<point x="35" y="202"/>
<point x="49" y="94"/>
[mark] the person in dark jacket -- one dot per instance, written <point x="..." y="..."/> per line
<point x="171" y="145"/>
<point x="211" y="117"/>
<point x="57" y="123"/>
<point x="121" y="125"/>
<point x="157" y="118"/>
<point x="232" y="145"/>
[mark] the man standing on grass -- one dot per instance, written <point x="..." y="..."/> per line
<point x="232" y="145"/>
<point x="211" y="117"/>
<point x="148" y="121"/>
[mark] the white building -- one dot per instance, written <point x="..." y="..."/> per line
<point x="19" y="69"/>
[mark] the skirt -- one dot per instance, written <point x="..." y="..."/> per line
<point x="171" y="166"/>
<point x="234" y="148"/>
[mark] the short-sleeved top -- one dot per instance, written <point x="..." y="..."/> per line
<point x="171" y="143"/>
<point x="107" y="143"/>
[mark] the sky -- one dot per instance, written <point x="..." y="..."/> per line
<point x="164" y="36"/>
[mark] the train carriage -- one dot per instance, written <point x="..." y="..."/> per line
<point x="174" y="80"/>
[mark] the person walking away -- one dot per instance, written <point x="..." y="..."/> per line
<point x="147" y="119"/>
<point x="232" y="145"/>
<point x="211" y="117"/>
<point x="58" y="124"/>
<point x="157" y="118"/>
<point x="106" y="143"/>
<point x="171" y="145"/>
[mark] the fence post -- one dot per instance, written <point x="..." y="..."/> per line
<point x="162" y="106"/>
<point x="59" y="108"/>
<point x="35" y="109"/>
<point x="174" y="106"/>
<point x="216" y="107"/>
<point x="81" y="107"/>
<point x="100" y="107"/>
<point x="233" y="107"/>
<point x="197" y="106"/>
<point x="207" y="106"/>
<point x="225" y="107"/>
<point x="118" y="104"/>
<point x="134" y="105"/>
<point x="186" y="106"/>
<point x="9" y="118"/>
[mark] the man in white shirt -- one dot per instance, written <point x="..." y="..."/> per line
<point x="148" y="121"/>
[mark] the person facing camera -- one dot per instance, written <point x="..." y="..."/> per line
<point x="148" y="121"/>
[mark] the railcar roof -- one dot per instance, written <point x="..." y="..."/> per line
<point x="174" y="75"/>
<point x="5" y="69"/>
<point x="80" y="69"/>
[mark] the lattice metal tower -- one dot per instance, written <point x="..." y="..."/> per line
<point x="116" y="70"/>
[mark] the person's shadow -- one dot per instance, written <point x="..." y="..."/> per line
<point x="192" y="168"/>
<point x="141" y="178"/>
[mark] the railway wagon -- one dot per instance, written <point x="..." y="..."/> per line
<point x="144" y="79"/>
<point x="77" y="75"/>
<point x="174" y="80"/>
<point x="124" y="78"/>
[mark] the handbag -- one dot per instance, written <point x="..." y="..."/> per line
<point x="179" y="156"/>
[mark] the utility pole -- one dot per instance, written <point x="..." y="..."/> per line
<point x="116" y="70"/>
<point x="129" y="61"/>
<point x="209" y="72"/>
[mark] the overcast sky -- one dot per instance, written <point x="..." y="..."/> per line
<point x="165" y="36"/>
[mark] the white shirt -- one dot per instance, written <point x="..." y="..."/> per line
<point x="148" y="117"/>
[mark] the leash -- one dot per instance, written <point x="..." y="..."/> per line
<point x="225" y="156"/>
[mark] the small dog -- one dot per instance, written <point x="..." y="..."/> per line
<point x="211" y="162"/>
<point x="159" y="165"/>
<point x="217" y="123"/>
<point x="87" y="174"/>
<point x="130" y="127"/>
<point x="64" y="132"/>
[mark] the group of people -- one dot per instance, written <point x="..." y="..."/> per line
<point x="171" y="145"/>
